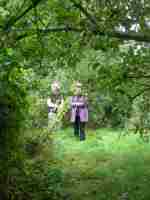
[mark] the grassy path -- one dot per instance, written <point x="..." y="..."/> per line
<point x="103" y="167"/>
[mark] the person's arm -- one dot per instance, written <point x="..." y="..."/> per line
<point x="77" y="104"/>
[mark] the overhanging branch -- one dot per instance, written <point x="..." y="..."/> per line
<point x="31" y="32"/>
<point x="130" y="36"/>
<point x="84" y="11"/>
<point x="115" y="34"/>
<point x="138" y="76"/>
<point x="94" y="28"/>
<point x="140" y="93"/>
<point x="13" y="19"/>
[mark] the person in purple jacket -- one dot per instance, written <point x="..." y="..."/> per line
<point x="79" y="111"/>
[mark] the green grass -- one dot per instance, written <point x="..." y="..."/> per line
<point x="103" y="167"/>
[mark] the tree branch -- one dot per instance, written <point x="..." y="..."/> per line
<point x="140" y="93"/>
<point x="94" y="28"/>
<point x="129" y="36"/>
<point x="116" y="34"/>
<point x="120" y="35"/>
<point x="139" y="76"/>
<point x="32" y="32"/>
<point x="13" y="19"/>
<point x="84" y="11"/>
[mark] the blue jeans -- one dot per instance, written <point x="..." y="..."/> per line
<point x="79" y="128"/>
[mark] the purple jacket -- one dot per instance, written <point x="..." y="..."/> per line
<point x="79" y="107"/>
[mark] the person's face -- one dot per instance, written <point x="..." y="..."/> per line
<point x="55" y="88"/>
<point x="78" y="90"/>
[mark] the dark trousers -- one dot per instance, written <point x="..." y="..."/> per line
<point x="79" y="128"/>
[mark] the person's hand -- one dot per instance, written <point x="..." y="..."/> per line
<point x="55" y="106"/>
<point x="80" y="104"/>
<point x="49" y="103"/>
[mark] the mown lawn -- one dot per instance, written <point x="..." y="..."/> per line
<point x="104" y="167"/>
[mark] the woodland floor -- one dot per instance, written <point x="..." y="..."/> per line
<point x="103" y="167"/>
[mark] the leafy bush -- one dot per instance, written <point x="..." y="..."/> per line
<point x="37" y="182"/>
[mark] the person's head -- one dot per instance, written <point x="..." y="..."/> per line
<point x="77" y="88"/>
<point x="55" y="87"/>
